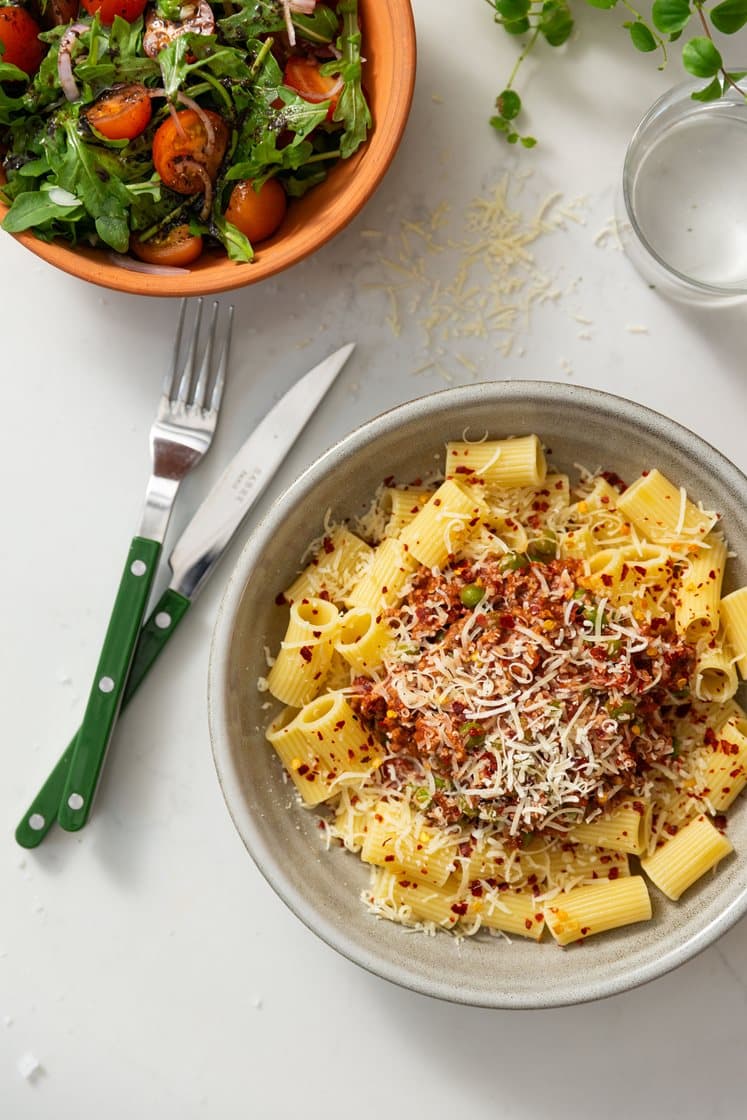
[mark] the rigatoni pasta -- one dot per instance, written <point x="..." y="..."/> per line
<point x="515" y="698"/>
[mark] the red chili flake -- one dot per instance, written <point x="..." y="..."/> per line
<point x="614" y="872"/>
<point x="312" y="777"/>
<point x="464" y="470"/>
<point x="476" y="889"/>
<point x="720" y="821"/>
<point x="404" y="883"/>
<point x="327" y="545"/>
<point x="640" y="569"/>
<point x="415" y="509"/>
<point x="585" y="930"/>
<point x="339" y="725"/>
<point x="502" y="886"/>
<point x="384" y="590"/>
<point x="539" y="917"/>
<point x="639" y="807"/>
<point x="303" y="769"/>
<point x="671" y="829"/>
<point x="559" y="484"/>
<point x="388" y="859"/>
<point x="605" y="859"/>
<point x="389" y="480"/>
<point x="378" y="817"/>
<point x="644" y="474"/>
<point x="437" y="502"/>
<point x="305" y="652"/>
<point x="528" y="923"/>
<point x="710" y="737"/>
<point x="711" y="574"/>
<point x="351" y="753"/>
<point x="604" y="500"/>
<point x="506" y="621"/>
<point x="460" y="908"/>
<point x="624" y="571"/>
<point x="324" y="594"/>
<point x="473" y="522"/>
<point x="280" y="600"/>
<point x="606" y="579"/>
<point x="594" y="875"/>
<point x="317" y="633"/>
<point x="614" y="480"/>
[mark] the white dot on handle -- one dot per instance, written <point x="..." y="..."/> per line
<point x="138" y="568"/>
<point x="163" y="620"/>
<point x="106" y="684"/>
<point x="75" y="801"/>
<point x="37" y="822"/>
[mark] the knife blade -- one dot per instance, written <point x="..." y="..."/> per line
<point x="199" y="549"/>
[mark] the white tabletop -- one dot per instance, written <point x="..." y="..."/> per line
<point x="145" y="963"/>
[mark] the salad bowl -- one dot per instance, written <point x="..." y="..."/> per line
<point x="388" y="79"/>
<point x="323" y="887"/>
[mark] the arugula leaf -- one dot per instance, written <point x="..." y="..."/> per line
<point x="236" y="243"/>
<point x="36" y="208"/>
<point x="352" y="108"/>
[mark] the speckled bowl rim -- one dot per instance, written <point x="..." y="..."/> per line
<point x="267" y="859"/>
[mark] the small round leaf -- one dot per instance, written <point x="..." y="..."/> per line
<point x="729" y="16"/>
<point x="641" y="36"/>
<point x="556" y="22"/>
<point x="670" y="16"/>
<point x="701" y="57"/>
<point x="516" y="26"/>
<point x="711" y="92"/>
<point x="512" y="9"/>
<point x="508" y="104"/>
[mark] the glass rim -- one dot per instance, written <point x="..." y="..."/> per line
<point x="671" y="95"/>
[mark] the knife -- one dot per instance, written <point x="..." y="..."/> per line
<point x="198" y="550"/>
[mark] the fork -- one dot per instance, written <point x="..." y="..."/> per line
<point x="181" y="435"/>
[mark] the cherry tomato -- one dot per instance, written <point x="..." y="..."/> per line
<point x="176" y="247"/>
<point x="175" y="152"/>
<point x="59" y="12"/>
<point x="305" y="77"/>
<point x="122" y="113"/>
<point x="108" y="9"/>
<point x="257" y="213"/>
<point x="19" y="35"/>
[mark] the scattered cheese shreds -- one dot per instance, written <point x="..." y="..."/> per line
<point x="479" y="282"/>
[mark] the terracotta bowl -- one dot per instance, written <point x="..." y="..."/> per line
<point x="389" y="78"/>
<point x="322" y="888"/>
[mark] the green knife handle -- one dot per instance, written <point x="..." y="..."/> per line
<point x="163" y="621"/>
<point x="108" y="685"/>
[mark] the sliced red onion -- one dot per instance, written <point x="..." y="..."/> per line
<point x="61" y="197"/>
<point x="198" y="170"/>
<point x="289" y="22"/>
<point x="65" y="63"/>
<point x="142" y="266"/>
<point x="190" y="103"/>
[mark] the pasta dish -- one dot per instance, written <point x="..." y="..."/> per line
<point x="515" y="699"/>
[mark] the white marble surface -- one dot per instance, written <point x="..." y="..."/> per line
<point x="146" y="964"/>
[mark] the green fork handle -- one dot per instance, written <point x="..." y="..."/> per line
<point x="161" y="624"/>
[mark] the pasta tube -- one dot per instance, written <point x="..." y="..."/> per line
<point x="697" y="604"/>
<point x="305" y="653"/>
<point x="662" y="512"/>
<point x="502" y="463"/>
<point x="585" y="911"/>
<point x="626" y="828"/>
<point x="734" y="616"/>
<point x="681" y="861"/>
<point x="434" y="534"/>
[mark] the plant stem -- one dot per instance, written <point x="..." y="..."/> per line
<point x="727" y="77"/>
<point x="530" y="43"/>
<point x="661" y="44"/>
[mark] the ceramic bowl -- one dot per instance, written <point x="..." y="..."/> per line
<point x="322" y="888"/>
<point x="389" y="78"/>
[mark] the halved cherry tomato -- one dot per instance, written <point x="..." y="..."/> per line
<point x="19" y="34"/>
<point x="122" y="113"/>
<point x="257" y="213"/>
<point x="108" y="9"/>
<point x="175" y="152"/>
<point x="305" y="77"/>
<point x="176" y="247"/>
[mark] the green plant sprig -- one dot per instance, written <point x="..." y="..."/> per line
<point x="552" y="20"/>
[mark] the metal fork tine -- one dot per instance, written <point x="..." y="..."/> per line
<point x="170" y="377"/>
<point x="189" y="364"/>
<point x="220" y="377"/>
<point x="200" y="392"/>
